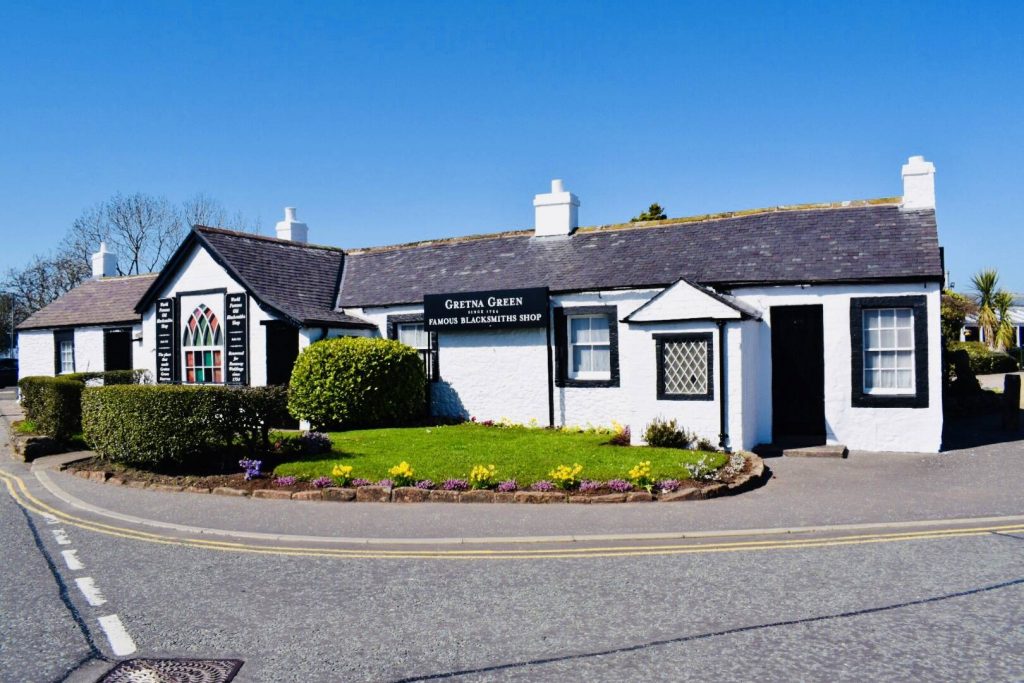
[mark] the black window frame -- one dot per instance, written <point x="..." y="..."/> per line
<point x="60" y="336"/>
<point x="859" y="397"/>
<point x="395" y="320"/>
<point x="672" y="337"/>
<point x="561" y="323"/>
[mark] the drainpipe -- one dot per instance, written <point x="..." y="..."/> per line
<point x="723" y="407"/>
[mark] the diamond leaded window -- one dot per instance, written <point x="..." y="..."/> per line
<point x="202" y="343"/>
<point x="685" y="367"/>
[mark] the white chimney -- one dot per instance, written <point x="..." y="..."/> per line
<point x="555" y="213"/>
<point x="290" y="229"/>
<point x="104" y="263"/>
<point x="918" y="184"/>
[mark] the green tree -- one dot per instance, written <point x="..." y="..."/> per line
<point x="1005" y="335"/>
<point x="955" y="309"/>
<point x="986" y="287"/>
<point x="653" y="213"/>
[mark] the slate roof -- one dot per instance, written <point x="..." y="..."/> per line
<point x="298" y="280"/>
<point x="107" y="301"/>
<point x="867" y="242"/>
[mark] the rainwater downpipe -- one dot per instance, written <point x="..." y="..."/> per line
<point x="723" y="406"/>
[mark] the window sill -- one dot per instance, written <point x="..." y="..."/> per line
<point x="594" y="383"/>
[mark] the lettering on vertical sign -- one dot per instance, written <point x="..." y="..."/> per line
<point x="165" y="341"/>
<point x="237" y="309"/>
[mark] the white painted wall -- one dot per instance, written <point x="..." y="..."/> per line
<point x="35" y="353"/>
<point x="89" y="349"/>
<point x="502" y="373"/>
<point x="875" y="429"/>
<point x="201" y="272"/>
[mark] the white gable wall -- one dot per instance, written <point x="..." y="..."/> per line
<point x="875" y="429"/>
<point x="201" y="272"/>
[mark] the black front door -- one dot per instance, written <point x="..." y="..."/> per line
<point x="798" y="375"/>
<point x="117" y="349"/>
<point x="282" y="350"/>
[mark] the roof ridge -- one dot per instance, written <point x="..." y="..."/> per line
<point x="110" y="278"/>
<point x="639" y="225"/>
<point x="264" y="238"/>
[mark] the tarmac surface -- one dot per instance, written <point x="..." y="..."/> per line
<point x="931" y="587"/>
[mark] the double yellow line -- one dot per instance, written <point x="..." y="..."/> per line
<point x="24" y="498"/>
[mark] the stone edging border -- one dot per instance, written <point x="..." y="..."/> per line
<point x="756" y="476"/>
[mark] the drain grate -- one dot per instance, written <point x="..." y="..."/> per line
<point x="173" y="671"/>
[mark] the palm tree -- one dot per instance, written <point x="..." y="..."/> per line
<point x="1005" y="332"/>
<point x="986" y="287"/>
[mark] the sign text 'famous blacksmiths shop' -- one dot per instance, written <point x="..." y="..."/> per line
<point x="237" y="305"/>
<point x="503" y="308"/>
<point x="165" y="341"/>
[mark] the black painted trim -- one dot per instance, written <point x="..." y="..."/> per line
<point x="58" y="338"/>
<point x="395" y="320"/>
<point x="659" y="346"/>
<point x="860" y="399"/>
<point x="562" y="314"/>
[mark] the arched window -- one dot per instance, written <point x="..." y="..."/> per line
<point x="202" y="342"/>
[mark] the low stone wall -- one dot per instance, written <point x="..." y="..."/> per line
<point x="752" y="477"/>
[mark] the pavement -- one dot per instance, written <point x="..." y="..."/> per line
<point x="912" y="568"/>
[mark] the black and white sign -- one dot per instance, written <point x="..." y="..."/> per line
<point x="237" y="315"/>
<point x="502" y="308"/>
<point x="165" y="341"/>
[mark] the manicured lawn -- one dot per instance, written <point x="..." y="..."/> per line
<point x="528" y="455"/>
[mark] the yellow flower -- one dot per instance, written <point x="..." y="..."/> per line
<point x="342" y="470"/>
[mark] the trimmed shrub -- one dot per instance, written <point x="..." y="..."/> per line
<point x="53" y="404"/>
<point x="159" y="426"/>
<point x="667" y="434"/>
<point x="110" y="377"/>
<point x="357" y="381"/>
<point x="985" y="361"/>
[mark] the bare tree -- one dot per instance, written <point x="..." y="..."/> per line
<point x="42" y="281"/>
<point x="202" y="209"/>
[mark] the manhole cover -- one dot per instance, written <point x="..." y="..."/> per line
<point x="173" y="671"/>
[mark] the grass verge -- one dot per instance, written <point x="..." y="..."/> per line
<point x="527" y="455"/>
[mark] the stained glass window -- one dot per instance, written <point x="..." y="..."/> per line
<point x="202" y="341"/>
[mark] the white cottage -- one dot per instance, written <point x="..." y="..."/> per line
<point x="809" y="324"/>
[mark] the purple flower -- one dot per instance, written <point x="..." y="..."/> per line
<point x="322" y="482"/>
<point x="542" y="485"/>
<point x="251" y="467"/>
<point x="589" y="485"/>
<point x="425" y="484"/>
<point x="620" y="485"/>
<point x="668" y="485"/>
<point x="508" y="486"/>
<point x="285" y="481"/>
<point x="488" y="423"/>
<point x="455" y="485"/>
<point x="361" y="482"/>
<point x="386" y="483"/>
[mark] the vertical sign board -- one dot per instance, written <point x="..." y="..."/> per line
<point x="165" y="341"/>
<point x="236" y="307"/>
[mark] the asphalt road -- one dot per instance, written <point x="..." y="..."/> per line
<point x="939" y="603"/>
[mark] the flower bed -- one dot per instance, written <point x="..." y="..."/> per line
<point x="744" y="471"/>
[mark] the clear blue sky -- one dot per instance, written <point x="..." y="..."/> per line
<point x="389" y="122"/>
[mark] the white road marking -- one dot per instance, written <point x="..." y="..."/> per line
<point x="61" y="536"/>
<point x="50" y="519"/>
<point x="90" y="591"/>
<point x="120" y="641"/>
<point x="71" y="559"/>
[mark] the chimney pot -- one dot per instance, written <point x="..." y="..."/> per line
<point x="555" y="213"/>
<point x="290" y="229"/>
<point x="918" y="184"/>
<point x="104" y="263"/>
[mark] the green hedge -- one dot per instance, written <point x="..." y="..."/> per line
<point x="985" y="361"/>
<point x="111" y="377"/>
<point x="357" y="381"/>
<point x="177" y="426"/>
<point x="53" y="404"/>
